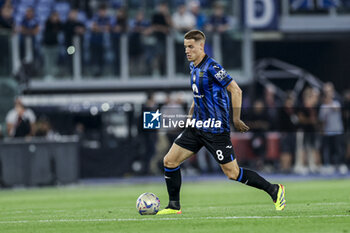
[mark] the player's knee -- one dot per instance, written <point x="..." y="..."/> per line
<point x="232" y="176"/>
<point x="233" y="173"/>
<point x="169" y="163"/>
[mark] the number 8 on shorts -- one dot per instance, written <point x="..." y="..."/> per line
<point x="219" y="155"/>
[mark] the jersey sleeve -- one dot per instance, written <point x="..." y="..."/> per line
<point x="219" y="74"/>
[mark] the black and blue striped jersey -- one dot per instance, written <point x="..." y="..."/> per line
<point x="211" y="101"/>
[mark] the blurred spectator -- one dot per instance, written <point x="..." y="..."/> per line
<point x="43" y="128"/>
<point x="6" y="24"/>
<point x="5" y="2"/>
<point x="20" y="121"/>
<point x="141" y="48"/>
<point x="119" y="26"/>
<point x="196" y="11"/>
<point x="1" y="134"/>
<point x="183" y="21"/>
<point x="259" y="124"/>
<point x="218" y="24"/>
<point x="161" y="25"/>
<point x="99" y="30"/>
<point x="73" y="27"/>
<point x="332" y="128"/>
<point x="174" y="106"/>
<point x="346" y="108"/>
<point x="288" y="122"/>
<point x="79" y="130"/>
<point x="271" y="103"/>
<point x="308" y="121"/>
<point x="29" y="29"/>
<point x="6" y="17"/>
<point x="162" y="147"/>
<point x="149" y="137"/>
<point x="347" y="124"/>
<point x="51" y="48"/>
<point x="218" y="21"/>
<point x="83" y="5"/>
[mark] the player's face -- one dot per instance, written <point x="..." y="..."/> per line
<point x="193" y="49"/>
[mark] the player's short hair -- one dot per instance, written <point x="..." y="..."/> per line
<point x="195" y="35"/>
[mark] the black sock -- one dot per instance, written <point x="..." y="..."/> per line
<point x="173" y="184"/>
<point x="253" y="179"/>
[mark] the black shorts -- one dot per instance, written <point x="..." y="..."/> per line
<point x="219" y="145"/>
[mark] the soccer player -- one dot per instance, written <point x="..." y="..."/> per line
<point x="210" y="84"/>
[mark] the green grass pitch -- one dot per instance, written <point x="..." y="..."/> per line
<point x="222" y="206"/>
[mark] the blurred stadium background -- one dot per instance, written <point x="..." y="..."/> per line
<point x="82" y="72"/>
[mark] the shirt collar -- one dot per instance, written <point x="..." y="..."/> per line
<point x="203" y="60"/>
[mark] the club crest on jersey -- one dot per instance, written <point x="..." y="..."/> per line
<point x="201" y="74"/>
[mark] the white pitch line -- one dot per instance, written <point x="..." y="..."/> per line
<point x="166" y="219"/>
<point x="193" y="208"/>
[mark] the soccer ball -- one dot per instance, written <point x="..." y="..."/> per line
<point x="148" y="204"/>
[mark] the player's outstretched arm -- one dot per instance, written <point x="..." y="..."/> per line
<point x="236" y="101"/>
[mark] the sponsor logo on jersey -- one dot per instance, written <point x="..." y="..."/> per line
<point x="221" y="74"/>
<point x="195" y="88"/>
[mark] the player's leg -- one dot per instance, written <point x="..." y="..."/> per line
<point x="221" y="148"/>
<point x="175" y="156"/>
<point x="185" y="146"/>
<point x="248" y="177"/>
<point x="253" y="179"/>
<point x="172" y="175"/>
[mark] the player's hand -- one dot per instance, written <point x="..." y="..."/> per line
<point x="240" y="126"/>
